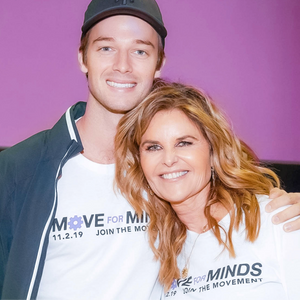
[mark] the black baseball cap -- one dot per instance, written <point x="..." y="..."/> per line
<point x="146" y="10"/>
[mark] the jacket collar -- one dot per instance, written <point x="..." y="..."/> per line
<point x="64" y="133"/>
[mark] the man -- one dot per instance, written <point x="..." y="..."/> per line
<point x="64" y="233"/>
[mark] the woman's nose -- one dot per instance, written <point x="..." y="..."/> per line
<point x="170" y="157"/>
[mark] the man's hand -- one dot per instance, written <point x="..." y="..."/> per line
<point x="282" y="198"/>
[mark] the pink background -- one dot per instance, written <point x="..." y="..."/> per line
<point x="245" y="54"/>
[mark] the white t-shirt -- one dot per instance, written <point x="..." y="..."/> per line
<point x="269" y="268"/>
<point x="98" y="248"/>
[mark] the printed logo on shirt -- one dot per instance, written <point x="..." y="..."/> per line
<point x="74" y="227"/>
<point x="238" y="274"/>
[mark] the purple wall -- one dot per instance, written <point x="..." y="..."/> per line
<point x="245" y="54"/>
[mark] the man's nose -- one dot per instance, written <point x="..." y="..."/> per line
<point x="122" y="62"/>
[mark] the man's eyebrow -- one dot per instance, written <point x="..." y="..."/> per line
<point x="143" y="42"/>
<point x="110" y="39"/>
<point x="103" y="38"/>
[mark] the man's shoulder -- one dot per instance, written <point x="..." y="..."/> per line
<point x="26" y="151"/>
<point x="46" y="144"/>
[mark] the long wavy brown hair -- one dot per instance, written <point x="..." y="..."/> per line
<point x="238" y="174"/>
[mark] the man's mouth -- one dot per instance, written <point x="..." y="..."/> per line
<point x="120" y="85"/>
<point x="173" y="175"/>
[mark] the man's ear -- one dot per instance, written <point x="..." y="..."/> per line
<point x="82" y="66"/>
<point x="158" y="72"/>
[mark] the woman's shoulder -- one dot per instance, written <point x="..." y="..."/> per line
<point x="266" y="218"/>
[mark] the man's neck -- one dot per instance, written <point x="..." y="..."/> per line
<point x="97" y="129"/>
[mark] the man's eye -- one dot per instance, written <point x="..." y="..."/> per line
<point x="140" y="52"/>
<point x="105" y="49"/>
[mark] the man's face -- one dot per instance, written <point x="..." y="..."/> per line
<point x="121" y="62"/>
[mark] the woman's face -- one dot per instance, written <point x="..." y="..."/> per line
<point x="175" y="157"/>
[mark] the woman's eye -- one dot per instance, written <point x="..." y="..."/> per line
<point x="153" y="148"/>
<point x="184" y="143"/>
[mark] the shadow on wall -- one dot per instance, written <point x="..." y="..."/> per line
<point x="289" y="174"/>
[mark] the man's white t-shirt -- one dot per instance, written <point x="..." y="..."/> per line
<point x="98" y="248"/>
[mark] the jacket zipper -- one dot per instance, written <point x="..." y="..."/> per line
<point x="37" y="262"/>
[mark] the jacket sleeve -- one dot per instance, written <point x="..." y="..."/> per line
<point x="17" y="166"/>
<point x="6" y="224"/>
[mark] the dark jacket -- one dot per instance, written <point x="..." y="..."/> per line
<point x="28" y="201"/>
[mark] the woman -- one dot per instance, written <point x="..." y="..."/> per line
<point x="205" y="198"/>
